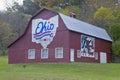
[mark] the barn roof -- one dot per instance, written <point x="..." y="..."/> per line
<point x="85" y="28"/>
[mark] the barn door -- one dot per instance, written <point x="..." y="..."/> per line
<point x="71" y="55"/>
<point x="103" y="57"/>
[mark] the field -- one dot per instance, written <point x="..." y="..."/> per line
<point x="59" y="71"/>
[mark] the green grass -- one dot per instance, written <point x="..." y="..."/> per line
<point x="59" y="71"/>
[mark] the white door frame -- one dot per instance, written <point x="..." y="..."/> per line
<point x="71" y="55"/>
<point x="103" y="57"/>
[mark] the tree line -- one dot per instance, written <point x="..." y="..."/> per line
<point x="102" y="13"/>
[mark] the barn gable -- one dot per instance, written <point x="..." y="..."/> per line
<point x="35" y="16"/>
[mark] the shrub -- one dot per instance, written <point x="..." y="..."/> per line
<point x="116" y="48"/>
<point x="115" y="31"/>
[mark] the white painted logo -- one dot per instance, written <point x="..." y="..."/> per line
<point x="43" y="31"/>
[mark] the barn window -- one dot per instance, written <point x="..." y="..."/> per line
<point x="59" y="52"/>
<point x="44" y="53"/>
<point x="31" y="54"/>
<point x="78" y="54"/>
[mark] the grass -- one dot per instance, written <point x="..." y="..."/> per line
<point x="59" y="71"/>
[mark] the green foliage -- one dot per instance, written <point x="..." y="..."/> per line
<point x="73" y="9"/>
<point x="103" y="16"/>
<point x="115" y="31"/>
<point x="116" y="13"/>
<point x="116" y="48"/>
<point x="59" y="3"/>
<point x="28" y="7"/>
<point x="63" y="6"/>
<point x="48" y="3"/>
<point x="12" y="25"/>
<point x="66" y="10"/>
<point x="3" y="52"/>
<point x="88" y="8"/>
<point x="6" y="36"/>
<point x="16" y="20"/>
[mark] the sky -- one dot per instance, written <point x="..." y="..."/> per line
<point x="8" y="3"/>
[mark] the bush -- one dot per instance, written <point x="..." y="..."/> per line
<point x="3" y="52"/>
<point x="115" y="31"/>
<point x="116" y="48"/>
<point x="115" y="34"/>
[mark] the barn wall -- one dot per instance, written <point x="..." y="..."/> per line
<point x="100" y="46"/>
<point x="45" y="14"/>
<point x="60" y="40"/>
<point x="104" y="46"/>
<point x="16" y="56"/>
<point x="18" y="53"/>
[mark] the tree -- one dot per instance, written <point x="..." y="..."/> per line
<point x="103" y="16"/>
<point x="115" y="31"/>
<point x="116" y="13"/>
<point x="29" y="7"/>
<point x="50" y="3"/>
<point x="63" y="6"/>
<point x="74" y="9"/>
<point x="6" y="36"/>
<point x="58" y="3"/>
<point x="16" y="20"/>
<point x="116" y="48"/>
<point x="12" y="25"/>
<point x="88" y="8"/>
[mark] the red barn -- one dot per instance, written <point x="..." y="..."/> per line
<point x="53" y="37"/>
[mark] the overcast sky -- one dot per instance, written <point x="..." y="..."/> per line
<point x="8" y="3"/>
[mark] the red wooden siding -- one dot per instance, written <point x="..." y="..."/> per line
<point x="20" y="52"/>
<point x="100" y="46"/>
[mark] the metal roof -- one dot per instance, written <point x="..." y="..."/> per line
<point x="85" y="28"/>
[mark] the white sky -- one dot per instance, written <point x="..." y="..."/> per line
<point x="8" y="3"/>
